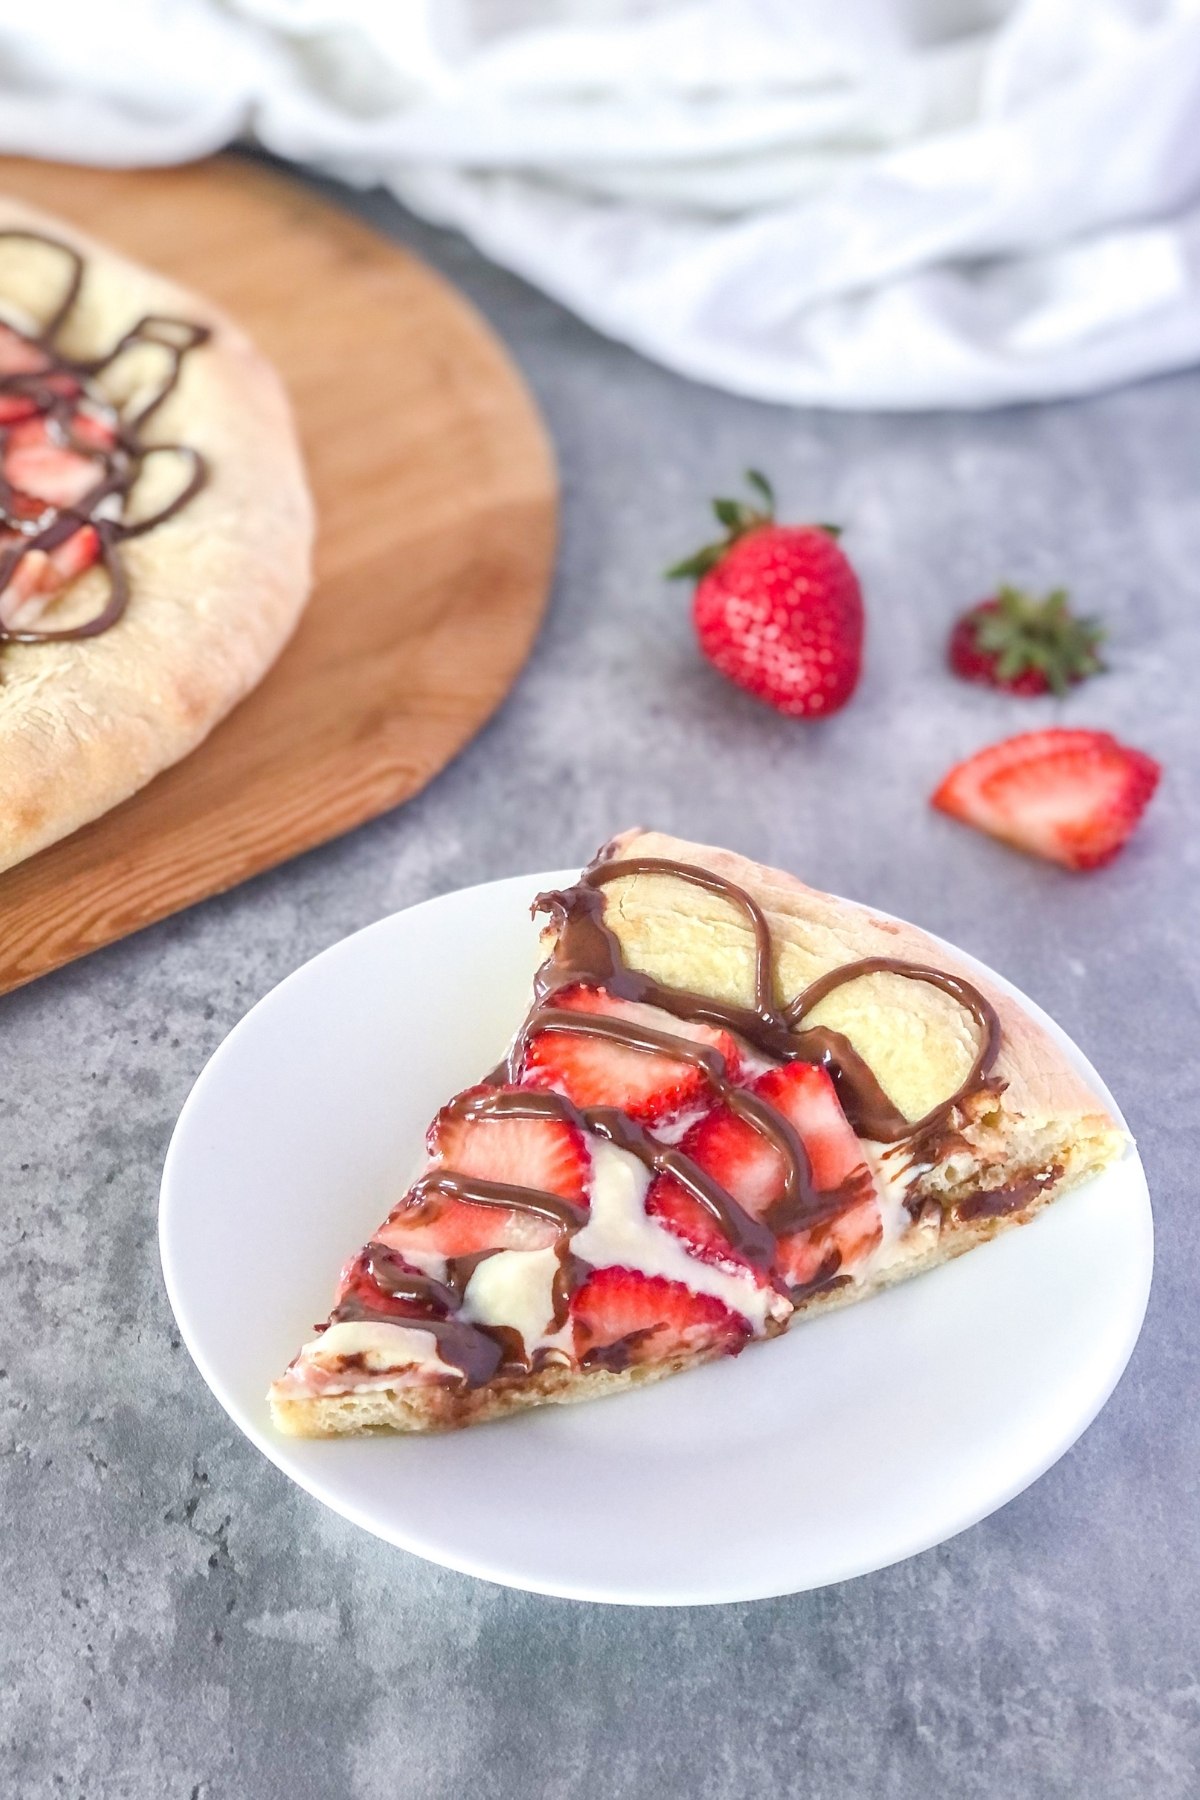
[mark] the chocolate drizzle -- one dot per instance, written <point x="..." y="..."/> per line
<point x="744" y="1233"/>
<point x="392" y="1275"/>
<point x="588" y="953"/>
<point x="894" y="1125"/>
<point x="564" y="1215"/>
<point x="476" y="1354"/>
<point x="996" y="1202"/>
<point x="51" y="392"/>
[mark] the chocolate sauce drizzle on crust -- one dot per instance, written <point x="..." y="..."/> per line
<point x="587" y="952"/>
<point x="389" y="1271"/>
<point x="55" y="389"/>
<point x="968" y="997"/>
<point x="470" y="1349"/>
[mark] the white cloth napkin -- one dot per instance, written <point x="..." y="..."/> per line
<point x="883" y="203"/>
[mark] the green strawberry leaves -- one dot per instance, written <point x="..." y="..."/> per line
<point x="1024" y="633"/>
<point x="738" y="517"/>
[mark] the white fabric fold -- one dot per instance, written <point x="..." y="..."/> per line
<point x="906" y="204"/>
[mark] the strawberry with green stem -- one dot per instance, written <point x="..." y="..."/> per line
<point x="777" y="608"/>
<point x="1024" y="645"/>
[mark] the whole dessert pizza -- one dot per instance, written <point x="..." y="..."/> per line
<point x="155" y="526"/>
<point x="734" y="1102"/>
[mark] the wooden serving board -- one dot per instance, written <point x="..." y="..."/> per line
<point x="435" y="493"/>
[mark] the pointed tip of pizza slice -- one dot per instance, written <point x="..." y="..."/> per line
<point x="735" y="1101"/>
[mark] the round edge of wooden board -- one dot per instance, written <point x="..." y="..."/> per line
<point x="180" y="835"/>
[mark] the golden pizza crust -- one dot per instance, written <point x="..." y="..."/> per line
<point x="447" y="1408"/>
<point x="216" y="590"/>
<point x="1046" y="1122"/>
<point x="918" y="1041"/>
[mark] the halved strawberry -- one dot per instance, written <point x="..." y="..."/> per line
<point x="598" y="1071"/>
<point x="1025" y="645"/>
<point x="1071" y="796"/>
<point x="622" y="1316"/>
<point x="36" y="465"/>
<point x="546" y="1155"/>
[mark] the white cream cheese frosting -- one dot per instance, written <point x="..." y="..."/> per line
<point x="381" y="1350"/>
<point x="620" y="1233"/>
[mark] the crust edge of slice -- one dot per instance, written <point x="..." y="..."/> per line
<point x="426" y="1409"/>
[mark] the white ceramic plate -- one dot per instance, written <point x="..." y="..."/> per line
<point x="856" y="1440"/>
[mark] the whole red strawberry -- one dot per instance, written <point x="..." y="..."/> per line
<point x="1023" y="645"/>
<point x="778" y="608"/>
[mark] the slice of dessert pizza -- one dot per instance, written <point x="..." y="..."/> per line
<point x="155" y="526"/>
<point x="734" y="1101"/>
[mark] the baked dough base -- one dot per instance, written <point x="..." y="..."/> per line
<point x="215" y="591"/>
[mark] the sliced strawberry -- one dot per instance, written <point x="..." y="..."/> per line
<point x="41" y="575"/>
<point x="16" y="406"/>
<point x="748" y="1166"/>
<point x="74" y="555"/>
<point x="807" y="1098"/>
<point x="623" y="1317"/>
<point x="91" y="430"/>
<point x="36" y="465"/>
<point x="824" y="1250"/>
<point x="742" y="1160"/>
<point x="427" y="1222"/>
<point x="599" y="1071"/>
<point x="1071" y="796"/>
<point x="546" y="1155"/>
<point x="694" y="1225"/>
<point x="26" y="596"/>
<point x="17" y="355"/>
<point x="360" y="1291"/>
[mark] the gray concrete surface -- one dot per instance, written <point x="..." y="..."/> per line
<point x="179" y="1621"/>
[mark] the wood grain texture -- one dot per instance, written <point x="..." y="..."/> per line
<point x="435" y="492"/>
